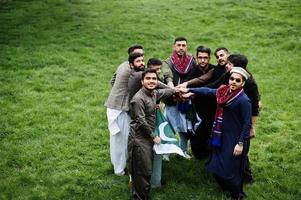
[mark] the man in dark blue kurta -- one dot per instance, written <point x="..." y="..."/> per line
<point x="230" y="132"/>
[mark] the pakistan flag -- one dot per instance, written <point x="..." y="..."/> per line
<point x="169" y="142"/>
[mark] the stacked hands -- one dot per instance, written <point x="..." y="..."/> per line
<point x="183" y="93"/>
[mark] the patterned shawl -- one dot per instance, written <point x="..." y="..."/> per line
<point x="224" y="98"/>
<point x="181" y="64"/>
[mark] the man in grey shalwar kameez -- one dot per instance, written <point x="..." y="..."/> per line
<point x="143" y="109"/>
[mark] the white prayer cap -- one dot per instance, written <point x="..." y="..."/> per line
<point x="240" y="71"/>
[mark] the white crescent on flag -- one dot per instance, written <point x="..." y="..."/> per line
<point x="162" y="135"/>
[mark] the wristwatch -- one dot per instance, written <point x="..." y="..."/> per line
<point x="240" y="144"/>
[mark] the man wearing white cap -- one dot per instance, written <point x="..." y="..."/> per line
<point x="230" y="132"/>
<point x="251" y="90"/>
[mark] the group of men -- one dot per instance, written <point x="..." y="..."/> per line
<point x="215" y="107"/>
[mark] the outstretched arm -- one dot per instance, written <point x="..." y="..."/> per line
<point x="222" y="80"/>
<point x="162" y="85"/>
<point x="203" y="91"/>
<point x="200" y="81"/>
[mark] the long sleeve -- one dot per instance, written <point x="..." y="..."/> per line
<point x="203" y="91"/>
<point x="222" y="80"/>
<point x="245" y="110"/>
<point x="162" y="85"/>
<point x="252" y="92"/>
<point x="202" y="80"/>
<point x="165" y="93"/>
<point x="139" y="117"/>
<point x="166" y="71"/>
<point x="134" y="83"/>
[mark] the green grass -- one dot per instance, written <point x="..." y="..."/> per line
<point x="56" y="60"/>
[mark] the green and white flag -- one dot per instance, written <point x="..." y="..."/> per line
<point x="169" y="142"/>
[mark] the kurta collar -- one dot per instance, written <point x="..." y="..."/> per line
<point x="149" y="93"/>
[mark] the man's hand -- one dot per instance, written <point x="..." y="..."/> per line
<point x="182" y="90"/>
<point x="157" y="140"/>
<point x="238" y="150"/>
<point x="182" y="85"/>
<point x="187" y="95"/>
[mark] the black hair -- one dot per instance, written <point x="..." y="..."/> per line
<point x="148" y="70"/>
<point x="133" y="56"/>
<point x="153" y="61"/>
<point x="238" y="60"/>
<point x="180" y="39"/>
<point x="220" y="48"/>
<point x="203" y="49"/>
<point x="133" y="47"/>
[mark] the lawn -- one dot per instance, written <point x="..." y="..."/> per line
<point x="56" y="61"/>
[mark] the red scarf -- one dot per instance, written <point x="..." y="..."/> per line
<point x="224" y="98"/>
<point x="181" y="64"/>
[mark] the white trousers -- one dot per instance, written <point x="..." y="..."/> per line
<point x="119" y="127"/>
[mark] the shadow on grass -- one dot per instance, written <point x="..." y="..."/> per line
<point x="189" y="172"/>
